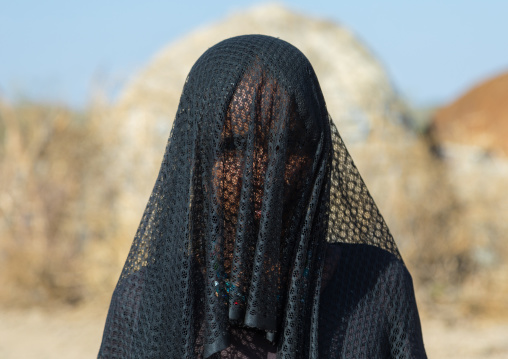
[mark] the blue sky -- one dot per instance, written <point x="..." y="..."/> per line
<point x="61" y="50"/>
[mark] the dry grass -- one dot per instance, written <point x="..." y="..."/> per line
<point x="53" y="202"/>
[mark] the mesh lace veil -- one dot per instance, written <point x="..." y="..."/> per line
<point x="254" y="182"/>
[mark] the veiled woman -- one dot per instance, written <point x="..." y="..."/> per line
<point x="260" y="239"/>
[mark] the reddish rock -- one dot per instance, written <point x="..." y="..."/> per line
<point x="479" y="118"/>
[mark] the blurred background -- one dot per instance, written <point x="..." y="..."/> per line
<point x="88" y="93"/>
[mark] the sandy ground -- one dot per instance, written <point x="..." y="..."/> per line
<point x="75" y="334"/>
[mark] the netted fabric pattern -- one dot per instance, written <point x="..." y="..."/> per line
<point x="367" y="307"/>
<point x="353" y="214"/>
<point x="231" y="258"/>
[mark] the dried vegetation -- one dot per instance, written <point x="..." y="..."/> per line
<point x="63" y="240"/>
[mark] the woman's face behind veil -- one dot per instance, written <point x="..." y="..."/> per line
<point x="260" y="111"/>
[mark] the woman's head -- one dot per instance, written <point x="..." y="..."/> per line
<point x="262" y="113"/>
<point x="254" y="180"/>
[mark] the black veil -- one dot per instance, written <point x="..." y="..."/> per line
<point x="254" y="188"/>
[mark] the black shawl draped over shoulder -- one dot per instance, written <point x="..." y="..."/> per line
<point x="260" y="239"/>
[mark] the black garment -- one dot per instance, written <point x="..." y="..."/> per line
<point x="367" y="308"/>
<point x="255" y="194"/>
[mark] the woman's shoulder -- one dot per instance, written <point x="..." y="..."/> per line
<point x="361" y="256"/>
<point x="359" y="268"/>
